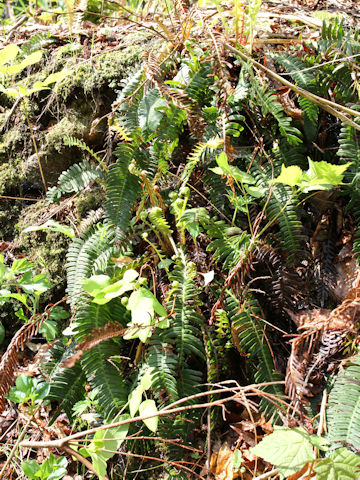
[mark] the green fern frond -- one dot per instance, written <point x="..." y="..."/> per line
<point x="184" y="332"/>
<point x="82" y="253"/>
<point x="159" y="222"/>
<point x="269" y="104"/>
<point x="228" y="244"/>
<point x="74" y="179"/>
<point x="343" y="412"/>
<point x="66" y="384"/>
<point x="164" y="369"/>
<point x="282" y="209"/>
<point x="76" y="142"/>
<point x="123" y="189"/>
<point x="252" y="340"/>
<point x="195" y="156"/>
<point x="103" y="376"/>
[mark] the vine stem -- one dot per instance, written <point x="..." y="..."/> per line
<point x="15" y="447"/>
<point x="237" y="392"/>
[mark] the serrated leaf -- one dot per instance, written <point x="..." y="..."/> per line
<point x="148" y="407"/>
<point x="340" y="465"/>
<point x="287" y="449"/>
<point x="323" y="175"/>
<point x="290" y="176"/>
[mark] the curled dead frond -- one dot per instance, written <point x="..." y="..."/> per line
<point x="9" y="361"/>
<point x="180" y="98"/>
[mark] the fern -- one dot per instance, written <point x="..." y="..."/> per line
<point x="164" y="367"/>
<point x="184" y="332"/>
<point x="74" y="179"/>
<point x="82" y="254"/>
<point x="103" y="376"/>
<point x="228" y="244"/>
<point x="282" y="209"/>
<point x="250" y="335"/>
<point x="76" y="142"/>
<point x="123" y="189"/>
<point x="66" y="384"/>
<point x="343" y="413"/>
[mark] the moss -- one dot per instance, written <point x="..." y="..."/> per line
<point x="46" y="249"/>
<point x="11" y="177"/>
<point x="72" y="124"/>
<point x="105" y="69"/>
<point x="88" y="201"/>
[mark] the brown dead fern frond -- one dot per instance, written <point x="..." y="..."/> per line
<point x="9" y="360"/>
<point x="97" y="335"/>
<point x="180" y="98"/>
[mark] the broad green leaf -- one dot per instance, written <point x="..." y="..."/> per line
<point x="223" y="163"/>
<point x="37" y="284"/>
<point x="30" y="468"/>
<point x="57" y="474"/>
<point x="22" y="297"/>
<point x="340" y="465"/>
<point x="323" y="175"/>
<point x="49" y="330"/>
<point x="148" y="113"/>
<point x="234" y="172"/>
<point x="95" y="284"/>
<point x="148" y="407"/>
<point x="288" y="449"/>
<point x="255" y="192"/>
<point x="20" y="265"/>
<point x="53" y="227"/>
<point x="146" y="379"/>
<point x="56" y="77"/>
<point x="58" y="313"/>
<point x="237" y="459"/>
<point x="290" y="176"/>
<point x="9" y="53"/>
<point x="135" y="398"/>
<point x="241" y="176"/>
<point x="25" y="384"/>
<point x="42" y="390"/>
<point x="114" y="437"/>
<point x="142" y="314"/>
<point x="34" y="57"/>
<point x="119" y="288"/>
<point x="145" y="293"/>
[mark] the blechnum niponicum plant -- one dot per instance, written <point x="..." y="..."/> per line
<point x="198" y="250"/>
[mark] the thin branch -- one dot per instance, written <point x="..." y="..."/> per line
<point x="331" y="107"/>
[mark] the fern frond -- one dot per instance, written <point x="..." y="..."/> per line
<point x="74" y="179"/>
<point x="343" y="412"/>
<point x="76" y="142"/>
<point x="123" y="189"/>
<point x="102" y="375"/>
<point x="164" y="367"/>
<point x="197" y="153"/>
<point x="250" y="338"/>
<point x="66" y="384"/>
<point x="282" y="209"/>
<point x="184" y="332"/>
<point x="82" y="253"/>
<point x="228" y="244"/>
